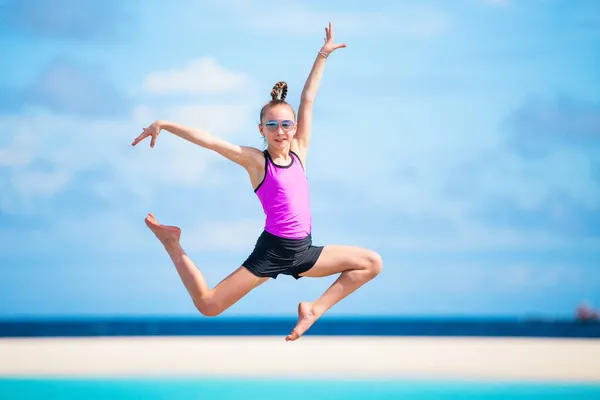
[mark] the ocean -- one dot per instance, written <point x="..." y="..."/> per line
<point x="327" y="326"/>
<point x="233" y="389"/>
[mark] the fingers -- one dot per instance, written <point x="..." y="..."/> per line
<point x="143" y="136"/>
<point x="329" y="35"/>
<point x="138" y="139"/>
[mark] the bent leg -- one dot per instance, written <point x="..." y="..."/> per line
<point x="209" y="302"/>
<point x="356" y="265"/>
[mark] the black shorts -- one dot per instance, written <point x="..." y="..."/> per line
<point x="274" y="255"/>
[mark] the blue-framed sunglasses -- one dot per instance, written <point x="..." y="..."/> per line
<point x="286" y="125"/>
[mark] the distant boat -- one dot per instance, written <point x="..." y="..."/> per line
<point x="585" y="313"/>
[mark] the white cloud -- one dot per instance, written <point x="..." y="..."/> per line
<point x="472" y="237"/>
<point x="450" y="178"/>
<point x="464" y="235"/>
<point x="199" y="76"/>
<point x="73" y="144"/>
<point x="529" y="181"/>
<point x="38" y="183"/>
<point x="223" y="120"/>
<point x="493" y="279"/>
<point x="19" y="152"/>
<point x="223" y="236"/>
<point x="105" y="232"/>
<point x="175" y="161"/>
<point x="115" y="232"/>
<point x="418" y="192"/>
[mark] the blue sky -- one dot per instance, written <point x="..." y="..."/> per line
<point x="459" y="139"/>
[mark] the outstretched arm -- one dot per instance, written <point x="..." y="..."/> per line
<point x="309" y="93"/>
<point x="242" y="155"/>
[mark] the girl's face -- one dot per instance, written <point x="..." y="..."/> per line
<point x="278" y="126"/>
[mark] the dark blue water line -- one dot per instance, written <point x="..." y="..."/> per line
<point x="219" y="326"/>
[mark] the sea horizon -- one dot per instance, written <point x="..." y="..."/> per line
<point x="334" y="325"/>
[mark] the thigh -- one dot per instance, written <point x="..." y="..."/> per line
<point x="235" y="286"/>
<point x="338" y="258"/>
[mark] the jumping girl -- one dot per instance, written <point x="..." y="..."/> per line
<point x="278" y="177"/>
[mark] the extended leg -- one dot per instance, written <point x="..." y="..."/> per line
<point x="209" y="302"/>
<point x="356" y="265"/>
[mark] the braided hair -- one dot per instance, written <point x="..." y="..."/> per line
<point x="280" y="88"/>
<point x="278" y="95"/>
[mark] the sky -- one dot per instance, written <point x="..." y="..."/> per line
<point x="460" y="140"/>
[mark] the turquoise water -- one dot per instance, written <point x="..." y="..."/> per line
<point x="180" y="389"/>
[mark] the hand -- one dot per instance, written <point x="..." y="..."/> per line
<point x="329" y="45"/>
<point x="151" y="131"/>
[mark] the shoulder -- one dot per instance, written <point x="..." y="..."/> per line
<point x="253" y="152"/>
<point x="253" y="157"/>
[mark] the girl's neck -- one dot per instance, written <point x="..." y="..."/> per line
<point x="279" y="154"/>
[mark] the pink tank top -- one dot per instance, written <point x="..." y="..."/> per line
<point x="285" y="198"/>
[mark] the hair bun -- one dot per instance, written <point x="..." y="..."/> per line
<point x="279" y="90"/>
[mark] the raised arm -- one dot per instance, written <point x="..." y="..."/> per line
<point x="309" y="93"/>
<point x="247" y="157"/>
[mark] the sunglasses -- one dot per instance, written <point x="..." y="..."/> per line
<point x="286" y="125"/>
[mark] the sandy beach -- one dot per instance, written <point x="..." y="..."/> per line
<point x="568" y="360"/>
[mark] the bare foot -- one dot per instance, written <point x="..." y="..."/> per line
<point x="306" y="318"/>
<point x="166" y="234"/>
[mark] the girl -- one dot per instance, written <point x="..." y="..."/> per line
<point x="278" y="177"/>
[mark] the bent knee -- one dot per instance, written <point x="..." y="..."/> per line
<point x="376" y="263"/>
<point x="372" y="263"/>
<point x="210" y="312"/>
<point x="207" y="307"/>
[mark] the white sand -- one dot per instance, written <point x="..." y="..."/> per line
<point x="310" y="357"/>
